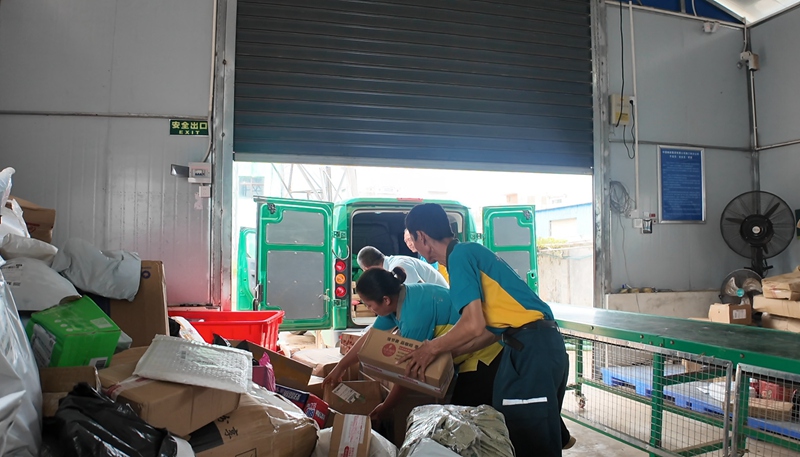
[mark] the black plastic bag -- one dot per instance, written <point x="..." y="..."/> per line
<point x="88" y="423"/>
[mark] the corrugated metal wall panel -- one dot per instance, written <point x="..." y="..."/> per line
<point x="109" y="177"/>
<point x="472" y="81"/>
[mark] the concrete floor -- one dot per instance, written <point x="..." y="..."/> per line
<point x="591" y="443"/>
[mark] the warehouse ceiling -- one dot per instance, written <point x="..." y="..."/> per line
<point x="756" y="10"/>
<point x="741" y="11"/>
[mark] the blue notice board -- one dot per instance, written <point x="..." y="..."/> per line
<point x="681" y="184"/>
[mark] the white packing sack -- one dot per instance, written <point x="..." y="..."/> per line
<point x="11" y="220"/>
<point x="20" y="392"/>
<point x="378" y="445"/>
<point x="110" y="274"/>
<point x="35" y="286"/>
<point x="15" y="246"/>
<point x="5" y="184"/>
<point x="196" y="364"/>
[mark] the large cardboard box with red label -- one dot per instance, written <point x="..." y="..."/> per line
<point x="381" y="352"/>
<point x="350" y="436"/>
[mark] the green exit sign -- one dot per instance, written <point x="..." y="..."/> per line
<point x="188" y="127"/>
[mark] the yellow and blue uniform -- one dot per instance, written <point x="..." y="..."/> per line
<point x="427" y="313"/>
<point x="531" y="379"/>
<point x="478" y="273"/>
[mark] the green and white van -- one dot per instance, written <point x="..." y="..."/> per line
<point x="302" y="256"/>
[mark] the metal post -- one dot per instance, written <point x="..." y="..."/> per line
<point x="657" y="404"/>
<point x="740" y="412"/>
<point x="602" y="153"/>
<point x="579" y="371"/>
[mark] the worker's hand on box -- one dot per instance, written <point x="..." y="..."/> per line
<point x="419" y="360"/>
<point x="334" y="377"/>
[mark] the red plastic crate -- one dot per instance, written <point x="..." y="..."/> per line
<point x="259" y="327"/>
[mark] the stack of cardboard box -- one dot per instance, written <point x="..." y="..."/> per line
<point x="780" y="302"/>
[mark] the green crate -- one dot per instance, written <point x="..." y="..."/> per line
<point x="78" y="333"/>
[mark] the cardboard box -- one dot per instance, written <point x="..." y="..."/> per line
<point x="354" y="397"/>
<point x="784" y="308"/>
<point x="780" y="323"/>
<point x="127" y="357"/>
<point x="58" y="382"/>
<point x="784" y="287"/>
<point x="74" y="334"/>
<point x="350" y="436"/>
<point x="40" y="220"/>
<point x="690" y="366"/>
<point x="322" y="361"/>
<point x="179" y="408"/>
<point x="332" y="413"/>
<point x="313" y="406"/>
<point x="315" y="386"/>
<point x="347" y="340"/>
<point x="257" y="428"/>
<point x="288" y="372"/>
<point x="731" y="314"/>
<point x="770" y="409"/>
<point x="774" y="391"/>
<point x="382" y="350"/>
<point x="362" y="310"/>
<point x="146" y="316"/>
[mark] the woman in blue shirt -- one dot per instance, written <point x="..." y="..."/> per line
<point x="421" y="312"/>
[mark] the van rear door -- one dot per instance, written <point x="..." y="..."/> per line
<point x="295" y="261"/>
<point x="510" y="232"/>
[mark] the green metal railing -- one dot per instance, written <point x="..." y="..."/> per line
<point x="652" y="345"/>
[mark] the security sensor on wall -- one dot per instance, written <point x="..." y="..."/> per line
<point x="710" y="27"/>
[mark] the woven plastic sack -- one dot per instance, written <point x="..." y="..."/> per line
<point x="465" y="430"/>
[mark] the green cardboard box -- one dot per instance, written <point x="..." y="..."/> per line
<point x="75" y="334"/>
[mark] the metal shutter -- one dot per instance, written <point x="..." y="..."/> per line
<point x="503" y="81"/>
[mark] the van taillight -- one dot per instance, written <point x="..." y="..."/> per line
<point x="340" y="267"/>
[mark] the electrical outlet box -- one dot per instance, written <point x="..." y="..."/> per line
<point x="200" y="172"/>
<point x="204" y="191"/>
<point x="637" y="223"/>
<point x="620" y="109"/>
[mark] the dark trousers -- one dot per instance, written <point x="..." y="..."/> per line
<point x="474" y="388"/>
<point x="529" y="390"/>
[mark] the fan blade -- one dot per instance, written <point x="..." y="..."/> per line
<point x="772" y="210"/>
<point x="734" y="220"/>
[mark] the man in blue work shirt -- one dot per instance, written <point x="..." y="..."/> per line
<point x="531" y="381"/>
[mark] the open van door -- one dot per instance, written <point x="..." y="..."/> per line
<point x="295" y="261"/>
<point x="246" y="270"/>
<point x="510" y="232"/>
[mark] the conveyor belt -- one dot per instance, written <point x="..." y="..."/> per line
<point x="737" y="343"/>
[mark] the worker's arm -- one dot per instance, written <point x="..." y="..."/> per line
<point x="391" y="401"/>
<point x="349" y="359"/>
<point x="487" y="338"/>
<point x="469" y="327"/>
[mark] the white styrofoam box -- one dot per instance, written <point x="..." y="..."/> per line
<point x="198" y="364"/>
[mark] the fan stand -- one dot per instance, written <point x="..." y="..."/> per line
<point x="758" y="262"/>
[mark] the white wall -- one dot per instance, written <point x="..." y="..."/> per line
<point x="690" y="92"/>
<point x="122" y="63"/>
<point x="778" y="102"/>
